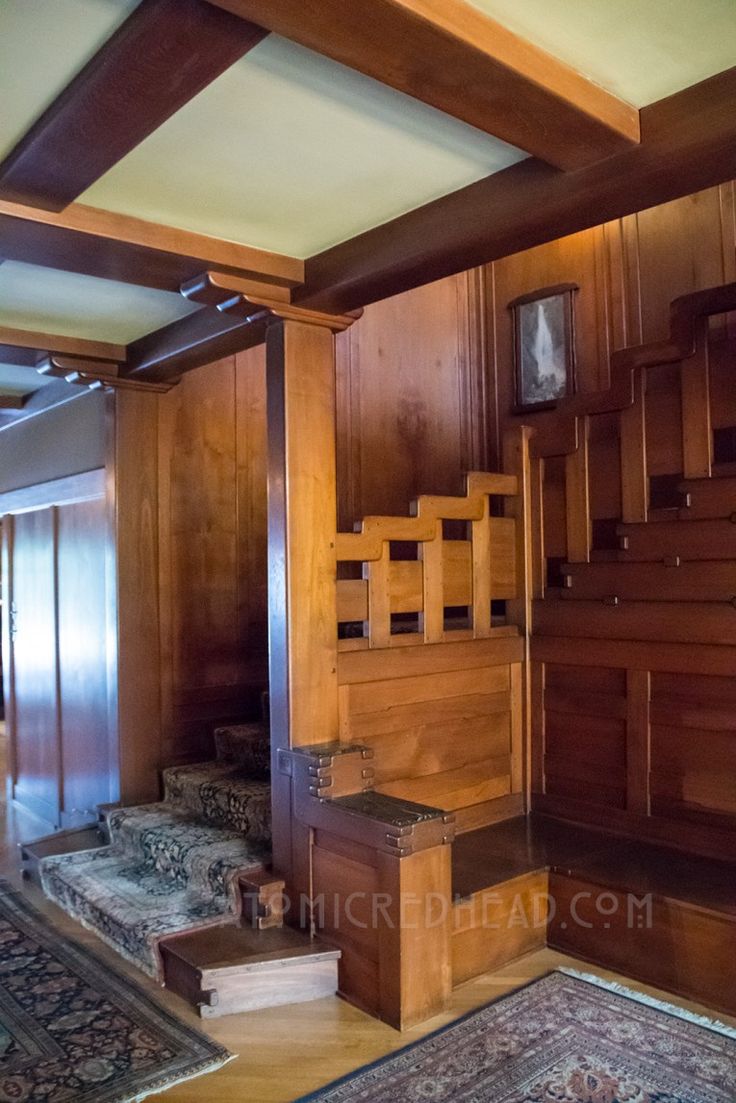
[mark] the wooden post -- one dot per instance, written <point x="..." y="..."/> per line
<point x="697" y="432"/>
<point x="519" y="610"/>
<point x="633" y="446"/>
<point x="577" y="491"/>
<point x="414" y="931"/>
<point x="302" y="523"/>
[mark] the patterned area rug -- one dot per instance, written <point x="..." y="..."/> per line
<point x="566" y="1038"/>
<point x="72" y="1030"/>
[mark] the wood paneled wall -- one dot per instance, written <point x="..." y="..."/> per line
<point x="212" y="550"/>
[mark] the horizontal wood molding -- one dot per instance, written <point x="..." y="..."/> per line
<point x="459" y="60"/>
<point x="72" y="488"/>
<point x="164" y="53"/>
<point x="688" y="143"/>
<point x="115" y="246"/>
<point x="675" y="658"/>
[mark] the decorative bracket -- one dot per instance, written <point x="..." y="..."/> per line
<point x="257" y="301"/>
<point x="96" y="374"/>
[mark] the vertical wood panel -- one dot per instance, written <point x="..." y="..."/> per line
<point x="133" y="469"/>
<point x="88" y="753"/>
<point x="412" y="398"/>
<point x="35" y="735"/>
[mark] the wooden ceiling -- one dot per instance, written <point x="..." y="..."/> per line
<point x="329" y="153"/>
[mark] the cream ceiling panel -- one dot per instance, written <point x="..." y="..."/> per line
<point x="642" y="50"/>
<point x="43" y="44"/>
<point x="66" y="304"/>
<point x="291" y="152"/>
<point x="17" y="380"/>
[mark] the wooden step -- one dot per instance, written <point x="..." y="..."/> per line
<point x="690" y="540"/>
<point x="675" y="581"/>
<point x="226" y="970"/>
<point x="708" y="498"/>
<point x="88" y="837"/>
<point x="651" y="621"/>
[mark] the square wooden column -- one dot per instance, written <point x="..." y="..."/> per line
<point x="302" y="596"/>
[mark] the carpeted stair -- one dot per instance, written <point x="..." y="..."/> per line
<point x="174" y="866"/>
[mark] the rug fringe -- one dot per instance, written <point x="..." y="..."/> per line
<point x="652" y="1001"/>
<point x="154" y="1089"/>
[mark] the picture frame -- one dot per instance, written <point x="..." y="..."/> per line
<point x="544" y="347"/>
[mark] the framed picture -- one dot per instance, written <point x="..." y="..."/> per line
<point x="544" y="346"/>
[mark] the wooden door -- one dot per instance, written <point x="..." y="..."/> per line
<point x="88" y="767"/>
<point x="35" y="757"/>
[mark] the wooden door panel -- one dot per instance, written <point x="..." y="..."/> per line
<point x="35" y="736"/>
<point x="87" y="766"/>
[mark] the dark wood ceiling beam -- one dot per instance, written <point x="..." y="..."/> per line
<point x="201" y="338"/>
<point x="164" y="53"/>
<point x="455" y="58"/>
<point x="688" y="143"/>
<point x="113" y="246"/>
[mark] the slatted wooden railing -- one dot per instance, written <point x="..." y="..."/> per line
<point x="442" y="573"/>
<point x="626" y="396"/>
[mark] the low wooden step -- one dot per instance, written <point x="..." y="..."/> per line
<point x="690" y="540"/>
<point x="227" y="970"/>
<point x="673" y="581"/>
<point x="708" y="498"/>
<point x="88" y="837"/>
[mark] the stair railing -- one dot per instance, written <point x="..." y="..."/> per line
<point x="626" y="396"/>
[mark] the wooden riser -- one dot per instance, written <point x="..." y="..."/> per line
<point x="714" y="581"/>
<point x="709" y="498"/>
<point x="498" y="925"/>
<point x="227" y="970"/>
<point x="651" y="621"/>
<point x="691" y="540"/>
<point x="687" y="949"/>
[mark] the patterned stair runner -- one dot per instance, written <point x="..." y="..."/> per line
<point x="173" y="866"/>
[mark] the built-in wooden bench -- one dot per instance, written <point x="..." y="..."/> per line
<point x="652" y="912"/>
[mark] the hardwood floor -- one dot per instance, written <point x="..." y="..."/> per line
<point x="286" y="1052"/>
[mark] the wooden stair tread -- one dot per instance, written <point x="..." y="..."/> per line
<point x="244" y="948"/>
<point x="493" y="855"/>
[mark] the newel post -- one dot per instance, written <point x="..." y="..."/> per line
<point x="302" y="526"/>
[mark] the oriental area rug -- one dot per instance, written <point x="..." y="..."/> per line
<point x="73" y="1030"/>
<point x="566" y="1038"/>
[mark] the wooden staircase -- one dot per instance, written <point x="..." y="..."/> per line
<point x="645" y="626"/>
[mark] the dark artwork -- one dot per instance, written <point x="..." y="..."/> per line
<point x="543" y="344"/>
